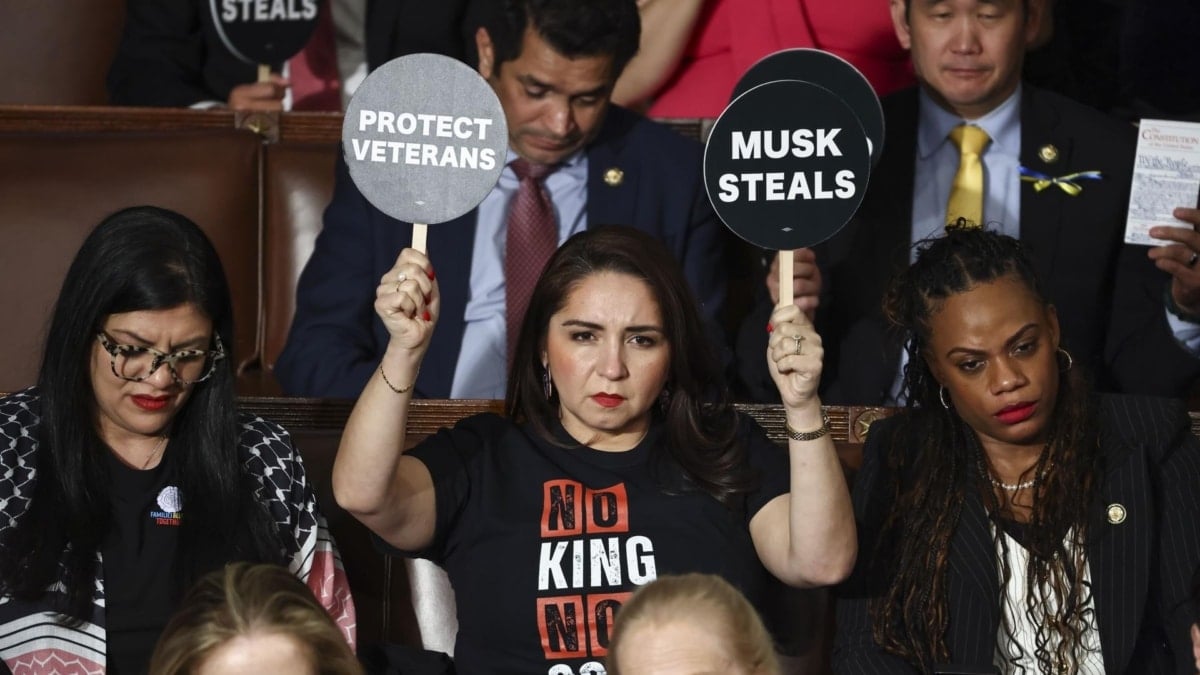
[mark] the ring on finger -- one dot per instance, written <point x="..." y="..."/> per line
<point x="799" y="343"/>
<point x="1192" y="261"/>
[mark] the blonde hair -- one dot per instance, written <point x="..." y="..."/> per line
<point x="245" y="598"/>
<point x="703" y="597"/>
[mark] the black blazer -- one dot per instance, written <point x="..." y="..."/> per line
<point x="1141" y="568"/>
<point x="170" y="53"/>
<point x="1108" y="295"/>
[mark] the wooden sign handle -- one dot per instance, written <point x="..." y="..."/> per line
<point x="264" y="72"/>
<point x="420" y="233"/>
<point x="786" y="270"/>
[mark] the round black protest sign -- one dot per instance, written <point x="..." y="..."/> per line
<point x="425" y="138"/>
<point x="264" y="31"/>
<point x="827" y="70"/>
<point x="786" y="165"/>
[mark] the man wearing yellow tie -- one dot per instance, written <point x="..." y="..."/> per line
<point x="974" y="146"/>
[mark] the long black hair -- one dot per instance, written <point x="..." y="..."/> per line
<point x="701" y="423"/>
<point x="937" y="464"/>
<point x="141" y="258"/>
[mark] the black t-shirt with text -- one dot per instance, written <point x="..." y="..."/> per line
<point x="544" y="543"/>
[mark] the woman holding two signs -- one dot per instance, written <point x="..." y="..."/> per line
<point x="620" y="459"/>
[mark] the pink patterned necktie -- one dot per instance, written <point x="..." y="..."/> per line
<point x="531" y="239"/>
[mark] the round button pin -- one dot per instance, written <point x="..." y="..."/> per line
<point x="1116" y="514"/>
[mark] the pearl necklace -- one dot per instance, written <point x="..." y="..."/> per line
<point x="1011" y="487"/>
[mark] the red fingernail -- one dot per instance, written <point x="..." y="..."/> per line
<point x="430" y="273"/>
<point x="770" y="327"/>
<point x="425" y="315"/>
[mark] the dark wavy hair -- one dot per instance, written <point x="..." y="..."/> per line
<point x="700" y="421"/>
<point x="141" y="258"/>
<point x="574" y="28"/>
<point x="937" y="464"/>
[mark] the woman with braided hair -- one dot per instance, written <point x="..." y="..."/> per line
<point x="1010" y="519"/>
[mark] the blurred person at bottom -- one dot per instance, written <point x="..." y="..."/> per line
<point x="252" y="619"/>
<point x="1011" y="519"/>
<point x="621" y="458"/>
<point x="690" y="623"/>
<point x="128" y="472"/>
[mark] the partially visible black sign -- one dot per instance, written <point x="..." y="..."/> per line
<point x="829" y="71"/>
<point x="786" y="165"/>
<point x="264" y="31"/>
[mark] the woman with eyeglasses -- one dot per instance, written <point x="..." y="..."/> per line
<point x="127" y="472"/>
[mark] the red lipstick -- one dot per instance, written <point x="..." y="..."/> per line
<point x="608" y="400"/>
<point x="1015" y="414"/>
<point x="151" y="403"/>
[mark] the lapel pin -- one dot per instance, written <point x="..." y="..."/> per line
<point x="1116" y="514"/>
<point x="614" y="177"/>
<point x="1048" y="153"/>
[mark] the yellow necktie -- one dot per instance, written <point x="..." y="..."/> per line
<point x="966" y="194"/>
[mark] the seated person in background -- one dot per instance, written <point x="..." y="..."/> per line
<point x="694" y="623"/>
<point x="620" y="458"/>
<point x="252" y="619"/>
<point x="693" y="52"/>
<point x="1110" y="298"/>
<point x="171" y="53"/>
<point x="1010" y="517"/>
<point x="128" y="472"/>
<point x="552" y="64"/>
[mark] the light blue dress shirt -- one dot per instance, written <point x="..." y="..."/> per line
<point x="480" y="371"/>
<point x="937" y="163"/>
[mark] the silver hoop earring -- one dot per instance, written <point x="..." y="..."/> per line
<point x="942" y="398"/>
<point x="547" y="385"/>
<point x="1070" y="361"/>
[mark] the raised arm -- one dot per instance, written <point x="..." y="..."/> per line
<point x="391" y="493"/>
<point x="805" y="537"/>
<point x="667" y="27"/>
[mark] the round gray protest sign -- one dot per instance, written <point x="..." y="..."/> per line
<point x="264" y="31"/>
<point x="786" y="165"/>
<point x="425" y="138"/>
<point x="826" y="70"/>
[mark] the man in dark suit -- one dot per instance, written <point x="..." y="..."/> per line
<point x="171" y="53"/>
<point x="553" y="72"/>
<point x="967" y="55"/>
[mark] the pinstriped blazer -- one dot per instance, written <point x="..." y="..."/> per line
<point x="1142" y="568"/>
